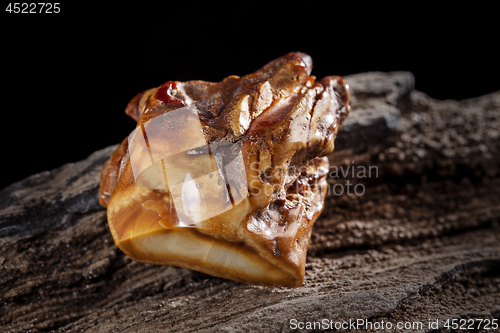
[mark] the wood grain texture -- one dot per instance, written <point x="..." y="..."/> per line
<point x="422" y="242"/>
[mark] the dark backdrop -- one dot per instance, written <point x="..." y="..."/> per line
<point x="67" y="77"/>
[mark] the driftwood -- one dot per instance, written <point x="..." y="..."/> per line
<point x="412" y="236"/>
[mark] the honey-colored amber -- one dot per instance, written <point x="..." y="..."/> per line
<point x="227" y="178"/>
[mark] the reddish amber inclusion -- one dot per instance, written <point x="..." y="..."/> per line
<point x="166" y="93"/>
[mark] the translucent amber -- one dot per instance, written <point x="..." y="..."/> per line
<point x="227" y="178"/>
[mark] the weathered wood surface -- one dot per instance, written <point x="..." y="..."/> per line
<point x="422" y="242"/>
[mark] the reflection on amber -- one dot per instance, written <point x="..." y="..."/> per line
<point x="203" y="180"/>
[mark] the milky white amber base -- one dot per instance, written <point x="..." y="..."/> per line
<point x="188" y="248"/>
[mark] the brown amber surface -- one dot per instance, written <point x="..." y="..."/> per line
<point x="227" y="178"/>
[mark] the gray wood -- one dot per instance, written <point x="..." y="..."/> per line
<point x="421" y="243"/>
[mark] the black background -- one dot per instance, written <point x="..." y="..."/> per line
<point x="67" y="77"/>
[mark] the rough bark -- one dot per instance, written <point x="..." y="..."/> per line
<point x="421" y="243"/>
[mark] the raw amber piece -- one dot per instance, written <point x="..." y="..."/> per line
<point x="227" y="178"/>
